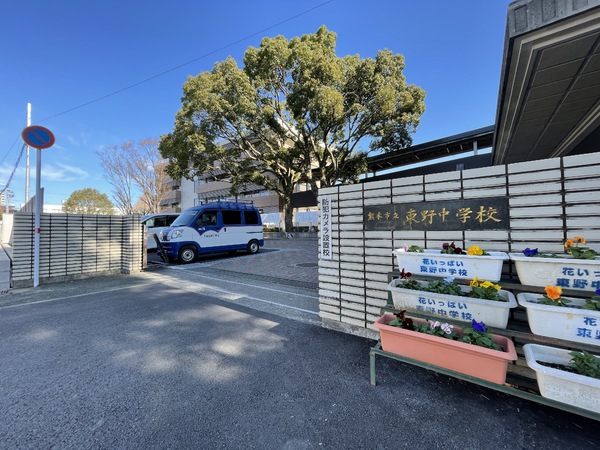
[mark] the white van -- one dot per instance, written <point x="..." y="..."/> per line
<point x="214" y="227"/>
<point x="154" y="224"/>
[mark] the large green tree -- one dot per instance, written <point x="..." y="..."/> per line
<point x="295" y="113"/>
<point x="88" y="201"/>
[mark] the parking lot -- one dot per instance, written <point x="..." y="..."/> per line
<point x="293" y="260"/>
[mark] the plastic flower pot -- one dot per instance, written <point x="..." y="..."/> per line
<point x="562" y="386"/>
<point x="571" y="273"/>
<point x="432" y="262"/>
<point x="493" y="313"/>
<point x="480" y="362"/>
<point x="572" y="324"/>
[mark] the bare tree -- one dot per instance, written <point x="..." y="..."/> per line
<point x="148" y="173"/>
<point x="117" y="173"/>
<point x="137" y="174"/>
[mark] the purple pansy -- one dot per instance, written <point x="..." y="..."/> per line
<point x="530" y="251"/>
<point x="479" y="326"/>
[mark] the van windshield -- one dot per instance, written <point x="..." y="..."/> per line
<point x="184" y="219"/>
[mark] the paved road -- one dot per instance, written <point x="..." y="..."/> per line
<point x="171" y="359"/>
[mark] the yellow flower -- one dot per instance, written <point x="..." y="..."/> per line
<point x="553" y="292"/>
<point x="487" y="284"/>
<point x="497" y="287"/>
<point x="474" y="282"/>
<point x="568" y="243"/>
<point x="475" y="250"/>
<point x="579" y="240"/>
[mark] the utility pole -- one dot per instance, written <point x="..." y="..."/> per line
<point x="27" y="160"/>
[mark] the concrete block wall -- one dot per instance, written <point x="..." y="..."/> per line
<point x="549" y="200"/>
<point x="76" y="246"/>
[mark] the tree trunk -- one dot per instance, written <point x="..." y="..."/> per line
<point x="288" y="213"/>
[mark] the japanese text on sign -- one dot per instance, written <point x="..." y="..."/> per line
<point x="578" y="278"/>
<point x="326" y="246"/>
<point x="451" y="309"/>
<point x="584" y="328"/>
<point x="453" y="215"/>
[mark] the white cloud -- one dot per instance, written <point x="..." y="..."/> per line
<point x="63" y="172"/>
<point x="77" y="141"/>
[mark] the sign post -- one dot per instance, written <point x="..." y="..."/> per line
<point x="39" y="138"/>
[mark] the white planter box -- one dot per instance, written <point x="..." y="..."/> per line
<point x="569" y="273"/>
<point x="565" y="387"/>
<point x="572" y="324"/>
<point x="434" y="263"/>
<point x="465" y="309"/>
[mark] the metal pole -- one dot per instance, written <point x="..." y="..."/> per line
<point x="38" y="212"/>
<point x="27" y="160"/>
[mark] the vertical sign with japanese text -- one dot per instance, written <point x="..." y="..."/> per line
<point x="326" y="246"/>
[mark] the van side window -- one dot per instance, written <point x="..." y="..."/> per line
<point x="160" y="221"/>
<point x="207" y="218"/>
<point x="251" y="217"/>
<point x="231" y="217"/>
<point x="149" y="223"/>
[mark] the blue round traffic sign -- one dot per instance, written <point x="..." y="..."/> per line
<point x="38" y="137"/>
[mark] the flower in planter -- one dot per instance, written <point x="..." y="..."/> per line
<point x="530" y="251"/>
<point x="445" y="286"/>
<point x="485" y="290"/>
<point x="576" y="248"/>
<point x="475" y="250"/>
<point x="407" y="282"/>
<point x="581" y="363"/>
<point x="476" y="334"/>
<point x="436" y="328"/>
<point x="593" y="303"/>
<point x="585" y="364"/>
<point x="553" y="297"/>
<point x="401" y="321"/>
<point x="413" y="248"/>
<point x="451" y="249"/>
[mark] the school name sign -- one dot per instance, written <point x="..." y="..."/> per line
<point x="455" y="215"/>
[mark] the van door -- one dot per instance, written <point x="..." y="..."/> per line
<point x="233" y="231"/>
<point x="207" y="224"/>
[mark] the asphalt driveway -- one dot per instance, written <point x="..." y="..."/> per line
<point x="152" y="366"/>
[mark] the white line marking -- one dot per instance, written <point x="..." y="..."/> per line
<point x="172" y="283"/>
<point x="77" y="295"/>
<point x="235" y="295"/>
<point x="257" y="287"/>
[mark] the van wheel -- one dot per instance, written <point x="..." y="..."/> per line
<point x="253" y="247"/>
<point x="187" y="254"/>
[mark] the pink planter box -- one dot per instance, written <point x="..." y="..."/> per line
<point x="484" y="363"/>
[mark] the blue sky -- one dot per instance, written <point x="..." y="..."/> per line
<point x="67" y="57"/>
